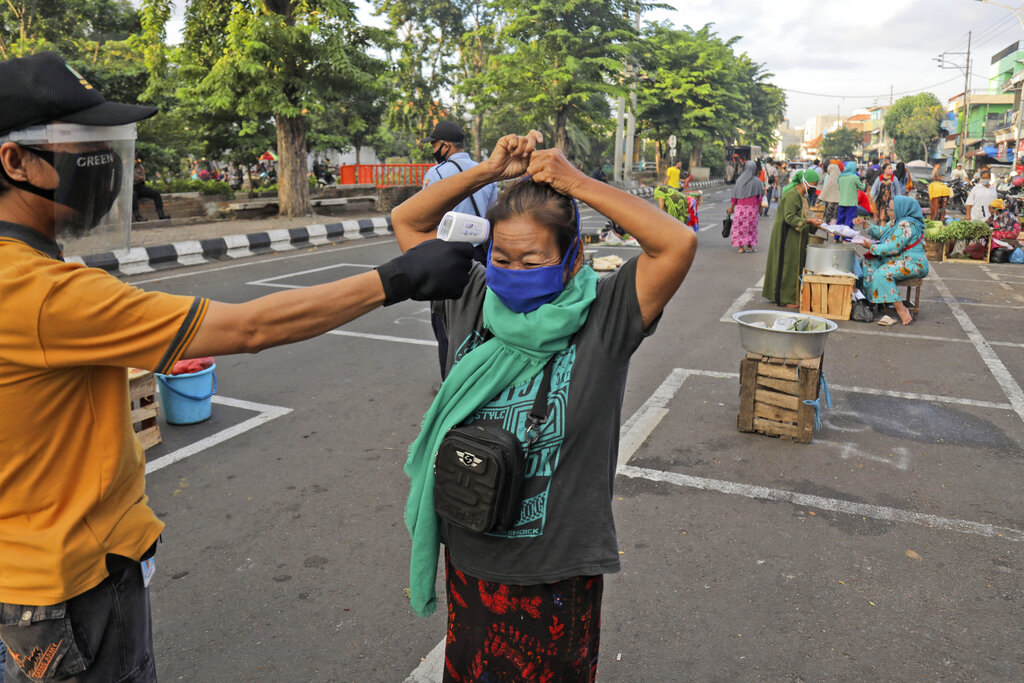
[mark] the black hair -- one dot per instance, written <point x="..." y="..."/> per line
<point x="541" y="203"/>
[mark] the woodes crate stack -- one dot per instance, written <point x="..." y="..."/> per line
<point x="144" y="406"/>
<point x="772" y="395"/>
<point x="827" y="296"/>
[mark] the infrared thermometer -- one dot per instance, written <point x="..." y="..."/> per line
<point x="463" y="227"/>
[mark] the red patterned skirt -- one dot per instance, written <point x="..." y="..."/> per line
<point x="498" y="633"/>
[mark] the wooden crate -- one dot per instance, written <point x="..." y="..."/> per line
<point x="772" y="395"/>
<point x="145" y="408"/>
<point x="827" y="296"/>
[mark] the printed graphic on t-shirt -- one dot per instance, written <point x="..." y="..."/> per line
<point x="509" y="410"/>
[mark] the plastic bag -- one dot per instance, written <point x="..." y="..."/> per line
<point x="862" y="312"/>
<point x="727" y="226"/>
<point x="1017" y="256"/>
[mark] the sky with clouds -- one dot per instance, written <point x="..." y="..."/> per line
<point x="858" y="49"/>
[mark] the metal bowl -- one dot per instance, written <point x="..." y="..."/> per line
<point x="830" y="259"/>
<point x="780" y="343"/>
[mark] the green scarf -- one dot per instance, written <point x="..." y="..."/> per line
<point x="522" y="344"/>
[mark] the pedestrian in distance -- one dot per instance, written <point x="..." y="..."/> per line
<point x="141" y="191"/>
<point x="904" y="182"/>
<point x="672" y="175"/>
<point x="744" y="207"/>
<point x="787" y="251"/>
<point x="830" y="195"/>
<point x="535" y="317"/>
<point x="938" y="195"/>
<point x="882" y="193"/>
<point x="980" y="197"/>
<point x="849" y="184"/>
<point x="958" y="174"/>
<point x="812" y="190"/>
<point x="77" y="536"/>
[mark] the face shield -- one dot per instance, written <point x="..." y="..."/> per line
<point x="88" y="178"/>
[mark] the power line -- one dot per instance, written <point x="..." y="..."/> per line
<point x="868" y="97"/>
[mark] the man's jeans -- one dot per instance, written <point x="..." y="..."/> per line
<point x="102" y="635"/>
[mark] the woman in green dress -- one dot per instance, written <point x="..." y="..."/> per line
<point x="788" y="248"/>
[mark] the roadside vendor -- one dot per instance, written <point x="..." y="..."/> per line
<point x="1002" y="221"/>
<point x="898" y="254"/>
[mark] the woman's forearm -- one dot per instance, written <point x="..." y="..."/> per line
<point x="655" y="230"/>
<point x="415" y="220"/>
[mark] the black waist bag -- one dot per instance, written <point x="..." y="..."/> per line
<point x="478" y="472"/>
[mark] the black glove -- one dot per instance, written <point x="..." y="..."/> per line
<point x="429" y="271"/>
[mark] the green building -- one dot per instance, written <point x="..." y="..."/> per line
<point x="1005" y="64"/>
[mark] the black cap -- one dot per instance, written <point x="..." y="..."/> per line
<point x="41" y="88"/>
<point x="446" y="131"/>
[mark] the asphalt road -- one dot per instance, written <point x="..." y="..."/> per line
<point x="890" y="548"/>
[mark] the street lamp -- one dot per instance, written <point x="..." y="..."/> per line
<point x="1016" y="12"/>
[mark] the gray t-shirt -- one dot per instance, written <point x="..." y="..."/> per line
<point x="565" y="527"/>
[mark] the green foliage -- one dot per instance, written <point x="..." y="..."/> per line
<point x="913" y="122"/>
<point x="72" y="28"/>
<point x="206" y="187"/>
<point x="792" y="151"/>
<point x="841" y="143"/>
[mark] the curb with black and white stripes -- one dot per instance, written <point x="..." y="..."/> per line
<point x="197" y="252"/>
<point x="648" y="191"/>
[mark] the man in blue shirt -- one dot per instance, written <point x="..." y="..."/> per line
<point x="447" y="142"/>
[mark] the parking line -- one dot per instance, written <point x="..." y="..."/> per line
<point x="1003" y="377"/>
<point x="384" y="337"/>
<point x="313" y="251"/>
<point x="846" y="507"/>
<point x="266" y="414"/>
<point x="265" y="282"/>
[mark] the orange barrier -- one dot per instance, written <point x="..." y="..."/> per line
<point x="382" y="175"/>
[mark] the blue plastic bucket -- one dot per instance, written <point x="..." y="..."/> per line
<point x="185" y="399"/>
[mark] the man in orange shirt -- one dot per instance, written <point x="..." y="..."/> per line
<point x="77" y="537"/>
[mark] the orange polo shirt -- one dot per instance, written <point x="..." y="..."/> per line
<point x="72" y="473"/>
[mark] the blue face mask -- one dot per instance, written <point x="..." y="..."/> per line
<point x="528" y="289"/>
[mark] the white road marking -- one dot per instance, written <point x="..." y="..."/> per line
<point x="431" y="669"/>
<point x="847" y="507"/>
<point x="266" y="414"/>
<point x="900" y="458"/>
<point x="275" y="259"/>
<point x="738" y="304"/>
<point x="384" y="337"/>
<point x="930" y="398"/>
<point x="638" y="427"/>
<point x="1006" y="381"/>
<point x="266" y="282"/>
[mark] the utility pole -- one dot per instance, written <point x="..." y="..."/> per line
<point x="941" y="59"/>
<point x="627" y="175"/>
<point x="967" y="99"/>
<point x="617" y="172"/>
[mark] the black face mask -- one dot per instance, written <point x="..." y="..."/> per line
<point x="439" y="155"/>
<point x="90" y="183"/>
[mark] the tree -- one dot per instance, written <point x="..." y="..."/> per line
<point x="693" y="89"/>
<point x="558" y="56"/>
<point x="792" y="151"/>
<point x="281" y="60"/>
<point x="913" y="122"/>
<point x="841" y="143"/>
<point x="69" y="27"/>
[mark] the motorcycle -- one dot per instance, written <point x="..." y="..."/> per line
<point x="958" y="201"/>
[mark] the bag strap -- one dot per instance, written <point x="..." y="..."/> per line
<point x="472" y="199"/>
<point x="539" y="412"/>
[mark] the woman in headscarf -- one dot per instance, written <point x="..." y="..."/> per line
<point x="897" y="255"/>
<point x="535" y="315"/>
<point x="1002" y="221"/>
<point x="745" y="207"/>
<point x="788" y="248"/>
<point x="882" y="193"/>
<point x="849" y="184"/>
<point x="830" y="194"/>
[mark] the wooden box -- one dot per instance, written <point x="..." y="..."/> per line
<point x="144" y="406"/>
<point x="827" y="296"/>
<point x="772" y="395"/>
